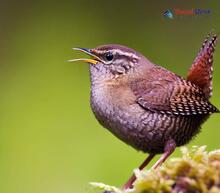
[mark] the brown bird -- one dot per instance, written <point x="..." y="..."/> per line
<point x="145" y="105"/>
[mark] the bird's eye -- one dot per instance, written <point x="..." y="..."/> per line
<point x="109" y="56"/>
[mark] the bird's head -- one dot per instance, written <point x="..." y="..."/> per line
<point x="114" y="60"/>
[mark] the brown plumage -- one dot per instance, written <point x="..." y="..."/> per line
<point x="201" y="71"/>
<point x="175" y="97"/>
<point x="145" y="105"/>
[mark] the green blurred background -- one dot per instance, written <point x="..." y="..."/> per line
<point x="50" y="141"/>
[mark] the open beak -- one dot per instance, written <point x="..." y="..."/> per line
<point x="95" y="59"/>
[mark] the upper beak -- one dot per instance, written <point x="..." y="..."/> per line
<point x="94" y="60"/>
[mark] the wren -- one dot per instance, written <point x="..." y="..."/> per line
<point x="145" y="105"/>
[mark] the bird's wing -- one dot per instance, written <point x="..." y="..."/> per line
<point x="179" y="97"/>
<point x="201" y="71"/>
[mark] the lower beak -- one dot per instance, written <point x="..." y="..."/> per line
<point x="95" y="59"/>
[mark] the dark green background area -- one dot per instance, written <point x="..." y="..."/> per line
<point x="50" y="141"/>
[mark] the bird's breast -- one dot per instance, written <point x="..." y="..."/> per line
<point x="115" y="108"/>
<point x="110" y="100"/>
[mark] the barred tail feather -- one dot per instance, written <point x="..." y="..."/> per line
<point x="200" y="72"/>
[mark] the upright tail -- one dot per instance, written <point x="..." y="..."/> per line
<point x="200" y="72"/>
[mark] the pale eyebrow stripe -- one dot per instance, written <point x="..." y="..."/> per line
<point x="123" y="53"/>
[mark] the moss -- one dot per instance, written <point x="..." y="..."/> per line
<point x="197" y="171"/>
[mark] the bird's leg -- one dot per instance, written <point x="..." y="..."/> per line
<point x="168" y="150"/>
<point x="131" y="180"/>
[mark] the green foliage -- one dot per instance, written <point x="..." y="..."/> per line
<point x="197" y="171"/>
